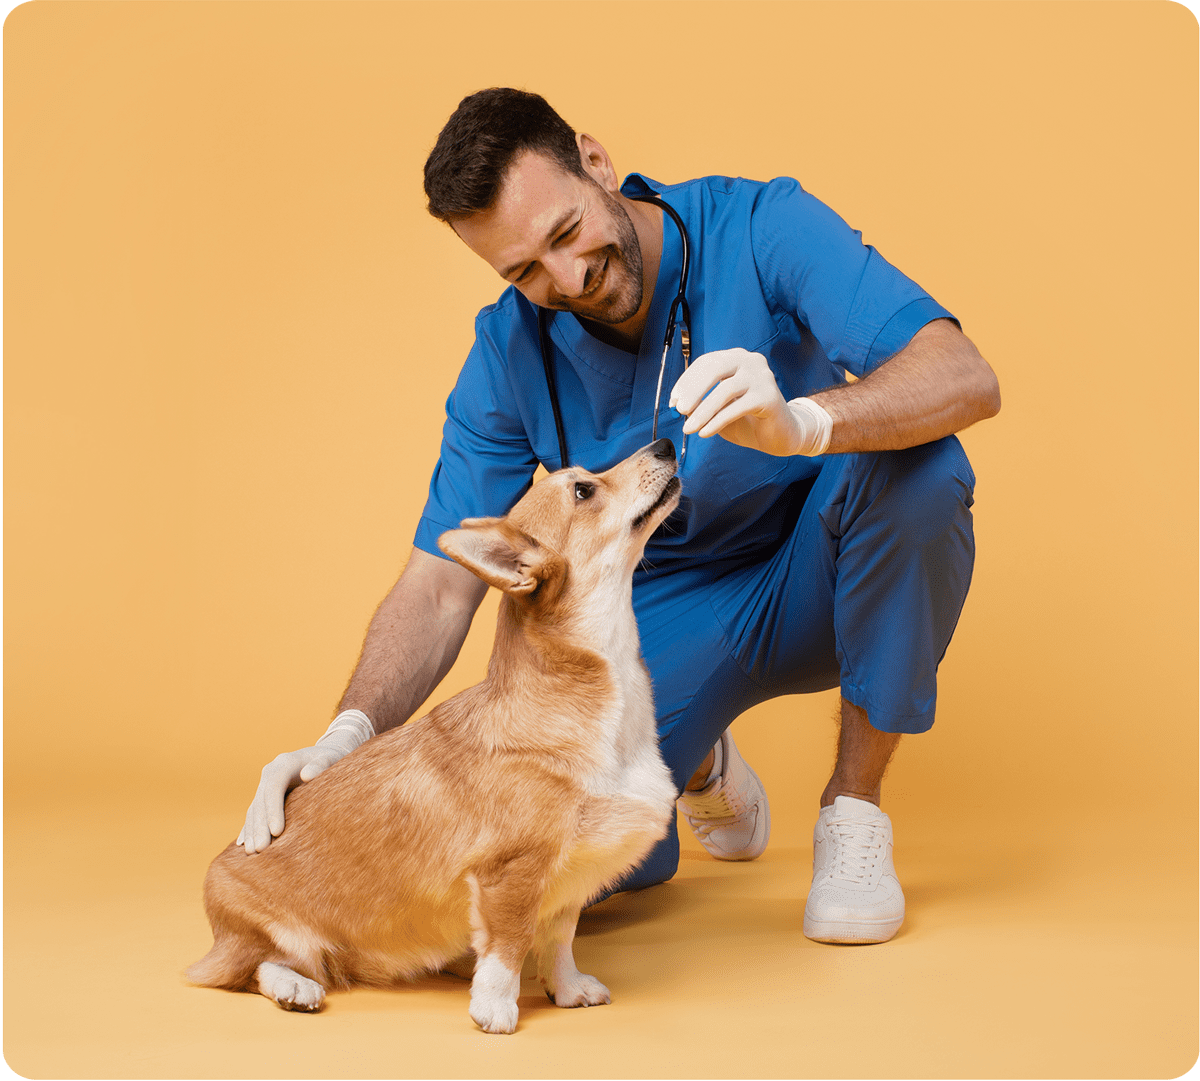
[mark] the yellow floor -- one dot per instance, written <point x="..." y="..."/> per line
<point x="1022" y="956"/>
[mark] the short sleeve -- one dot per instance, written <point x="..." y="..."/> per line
<point x="486" y="462"/>
<point x="813" y="266"/>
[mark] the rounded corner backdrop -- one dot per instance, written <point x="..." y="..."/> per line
<point x="230" y="327"/>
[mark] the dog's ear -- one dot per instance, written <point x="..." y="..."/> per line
<point x="500" y="553"/>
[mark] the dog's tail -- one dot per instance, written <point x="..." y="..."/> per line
<point x="231" y="963"/>
<point x="239" y="944"/>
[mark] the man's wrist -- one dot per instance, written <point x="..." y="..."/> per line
<point x="815" y="427"/>
<point x="356" y="724"/>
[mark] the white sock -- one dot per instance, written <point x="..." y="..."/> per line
<point x="718" y="762"/>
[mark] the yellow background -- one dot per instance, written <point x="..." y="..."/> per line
<point x="230" y="328"/>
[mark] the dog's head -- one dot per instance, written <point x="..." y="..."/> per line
<point x="593" y="523"/>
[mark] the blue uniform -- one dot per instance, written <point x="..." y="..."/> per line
<point x="776" y="575"/>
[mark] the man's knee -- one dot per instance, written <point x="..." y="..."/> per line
<point x="922" y="492"/>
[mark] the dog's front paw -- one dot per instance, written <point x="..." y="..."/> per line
<point x="494" y="993"/>
<point x="494" y="1016"/>
<point x="583" y="990"/>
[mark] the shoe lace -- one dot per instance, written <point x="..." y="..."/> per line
<point x="707" y="811"/>
<point x="859" y="848"/>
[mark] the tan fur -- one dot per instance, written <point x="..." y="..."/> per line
<point x="490" y="822"/>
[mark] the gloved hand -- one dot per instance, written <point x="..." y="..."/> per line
<point x="264" y="819"/>
<point x="733" y="392"/>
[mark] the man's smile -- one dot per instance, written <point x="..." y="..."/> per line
<point x="593" y="289"/>
<point x="597" y="282"/>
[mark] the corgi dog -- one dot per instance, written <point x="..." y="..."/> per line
<point x="487" y="824"/>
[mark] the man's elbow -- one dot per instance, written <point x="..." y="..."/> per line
<point x="984" y="393"/>
<point x="978" y="383"/>
<point x="988" y="394"/>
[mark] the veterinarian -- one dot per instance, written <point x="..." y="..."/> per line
<point x="825" y="537"/>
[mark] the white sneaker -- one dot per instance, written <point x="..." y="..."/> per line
<point x="730" y="815"/>
<point x="855" y="895"/>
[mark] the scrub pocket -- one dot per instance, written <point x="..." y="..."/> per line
<point x="735" y="470"/>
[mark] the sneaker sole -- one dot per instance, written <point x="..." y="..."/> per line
<point x="858" y="931"/>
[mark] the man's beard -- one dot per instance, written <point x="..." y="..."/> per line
<point x="621" y="263"/>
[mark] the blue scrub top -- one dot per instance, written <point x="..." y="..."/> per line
<point x="774" y="271"/>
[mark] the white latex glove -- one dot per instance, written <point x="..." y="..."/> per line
<point x="733" y="393"/>
<point x="264" y="819"/>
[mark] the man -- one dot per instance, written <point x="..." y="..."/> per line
<point x="825" y="538"/>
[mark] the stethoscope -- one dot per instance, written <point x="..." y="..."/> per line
<point x="679" y="307"/>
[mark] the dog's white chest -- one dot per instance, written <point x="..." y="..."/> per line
<point x="630" y="763"/>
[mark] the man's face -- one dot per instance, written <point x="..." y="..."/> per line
<point x="564" y="241"/>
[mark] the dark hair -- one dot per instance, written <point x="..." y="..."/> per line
<point x="474" y="150"/>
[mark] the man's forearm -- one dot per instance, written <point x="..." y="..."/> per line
<point x="935" y="386"/>
<point x="413" y="639"/>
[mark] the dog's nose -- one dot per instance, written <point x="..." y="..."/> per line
<point x="664" y="449"/>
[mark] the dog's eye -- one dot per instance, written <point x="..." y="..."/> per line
<point x="584" y="491"/>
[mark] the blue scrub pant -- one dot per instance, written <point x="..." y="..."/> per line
<point x="863" y="593"/>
